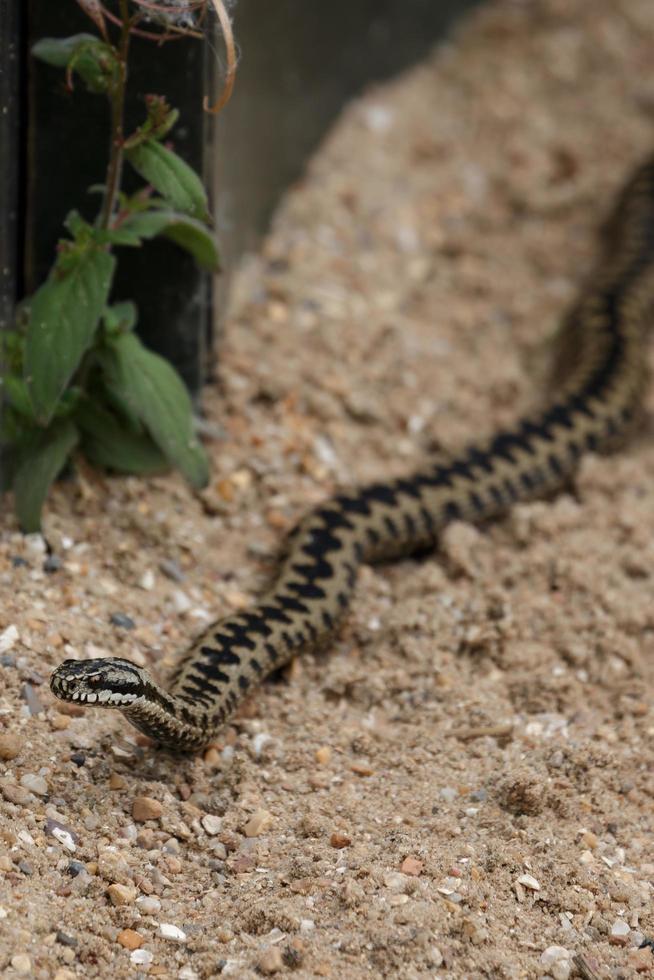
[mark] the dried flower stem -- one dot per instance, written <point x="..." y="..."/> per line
<point x="230" y="48"/>
<point x="115" y="166"/>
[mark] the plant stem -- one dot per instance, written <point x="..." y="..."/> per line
<point x="115" y="166"/>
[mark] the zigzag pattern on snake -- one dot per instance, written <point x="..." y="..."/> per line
<point x="602" y="365"/>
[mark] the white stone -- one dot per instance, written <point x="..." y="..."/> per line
<point x="64" y="838"/>
<point x="182" y="604"/>
<point x="529" y="882"/>
<point x="259" y="741"/>
<point x="141" y="957"/>
<point x="169" y="931"/>
<point x="212" y="824"/>
<point x="35" y="544"/>
<point x="147" y="580"/>
<point x="395" y="881"/>
<point x="21" y="964"/>
<point x="35" y="784"/>
<point x="307" y="925"/>
<point x="148" y="904"/>
<point x="554" y="954"/>
<point x="8" y="638"/>
<point x="620" y="928"/>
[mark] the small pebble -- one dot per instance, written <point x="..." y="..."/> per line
<point x="31" y="699"/>
<point x="129" y="939"/>
<point x="169" y="931"/>
<point x="619" y="934"/>
<point x="436" y="957"/>
<point x="146" y="580"/>
<point x="529" y="882"/>
<point x="340" y="840"/>
<point x="65" y="940"/>
<point x="10" y="745"/>
<point x="448" y="793"/>
<point x="22" y="964"/>
<point x="323" y="755"/>
<point x="171" y="570"/>
<point x="260" y="740"/>
<point x="8" y="638"/>
<point x="120" y="894"/>
<point x="141" y="957"/>
<point x="122" y="620"/>
<point x="75" y="868"/>
<point x="412" y="866"/>
<point x="181" y="601"/>
<point x="212" y="824"/>
<point x="63" y="834"/>
<point x="258" y="823"/>
<point x="395" y="881"/>
<point x="557" y="960"/>
<point x="52" y="564"/>
<point x="148" y="904"/>
<point x="145" y="808"/>
<point x="270" y="961"/>
<point x="33" y="783"/>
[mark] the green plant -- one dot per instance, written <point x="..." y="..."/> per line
<point x="76" y="377"/>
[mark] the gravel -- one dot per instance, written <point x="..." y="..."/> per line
<point x="484" y="714"/>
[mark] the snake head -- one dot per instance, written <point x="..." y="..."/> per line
<point x="110" y="682"/>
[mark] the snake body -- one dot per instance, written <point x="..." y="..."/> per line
<point x="601" y="371"/>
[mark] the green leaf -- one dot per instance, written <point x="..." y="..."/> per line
<point x="194" y="237"/>
<point x="18" y="395"/>
<point x="189" y="234"/>
<point x="160" y="120"/>
<point x="39" y="467"/>
<point x="171" y="177"/>
<point x="96" y="64"/>
<point x="64" y="313"/>
<point x="120" y="317"/>
<point x="58" y="51"/>
<point x="93" y="60"/>
<point x="108" y="444"/>
<point x="154" y="392"/>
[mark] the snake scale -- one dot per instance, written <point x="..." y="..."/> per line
<point x="601" y="375"/>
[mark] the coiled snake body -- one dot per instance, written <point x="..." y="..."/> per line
<point x="602" y="373"/>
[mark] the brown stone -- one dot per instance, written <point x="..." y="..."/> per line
<point x="121" y="894"/>
<point x="412" y="866"/>
<point x="129" y="939"/>
<point x="10" y="745"/>
<point x="270" y="961"/>
<point x="145" y="808"/>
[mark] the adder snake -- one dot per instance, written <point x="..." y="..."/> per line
<point x="602" y="367"/>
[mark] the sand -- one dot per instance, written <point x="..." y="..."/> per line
<point x="462" y="785"/>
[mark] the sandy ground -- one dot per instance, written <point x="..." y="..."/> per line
<point x="463" y="785"/>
